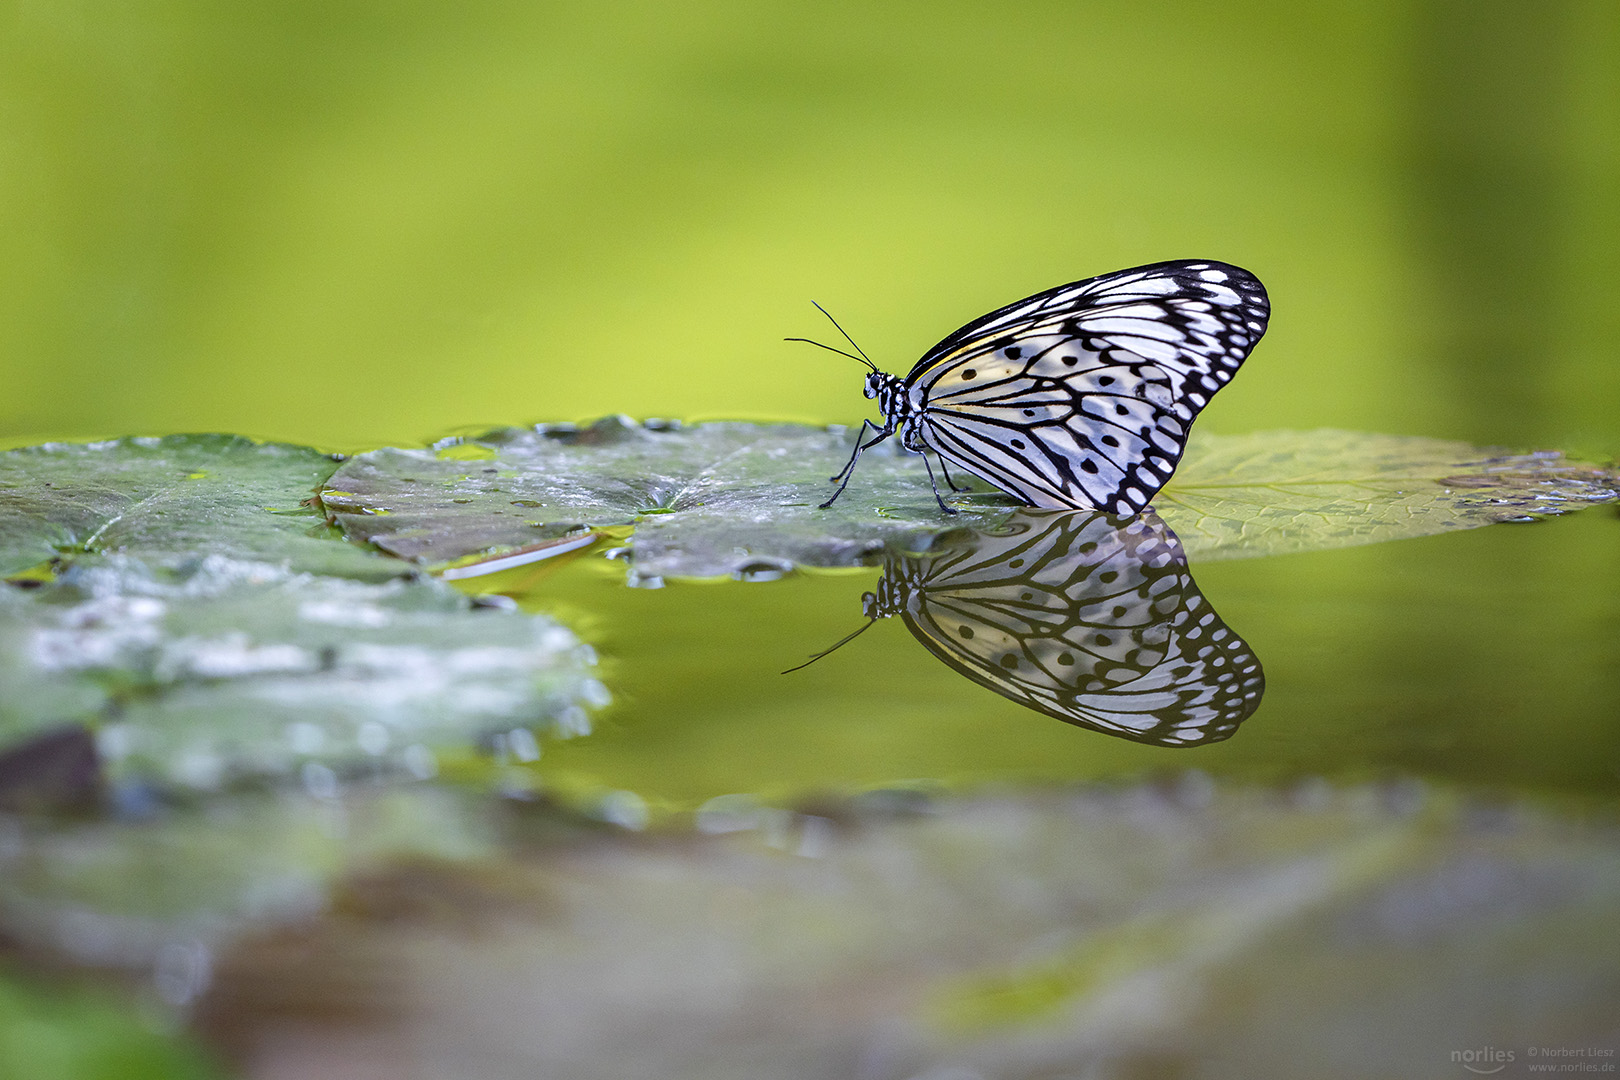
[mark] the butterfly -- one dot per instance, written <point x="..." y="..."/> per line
<point x="1083" y="616"/>
<point x="1078" y="397"/>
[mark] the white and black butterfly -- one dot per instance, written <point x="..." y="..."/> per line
<point x="1078" y="397"/>
<point x="1081" y="616"/>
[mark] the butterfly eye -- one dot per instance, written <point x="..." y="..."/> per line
<point x="872" y="385"/>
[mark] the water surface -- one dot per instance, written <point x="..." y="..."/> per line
<point x="1488" y="659"/>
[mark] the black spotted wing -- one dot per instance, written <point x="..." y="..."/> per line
<point x="1082" y="396"/>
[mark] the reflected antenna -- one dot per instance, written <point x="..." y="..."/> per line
<point x="845" y="640"/>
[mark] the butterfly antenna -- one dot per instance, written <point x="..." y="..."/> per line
<point x="845" y="640"/>
<point x="847" y="338"/>
<point x="829" y="348"/>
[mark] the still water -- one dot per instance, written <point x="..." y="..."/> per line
<point x="1488" y="659"/>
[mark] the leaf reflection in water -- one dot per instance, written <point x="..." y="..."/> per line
<point x="1083" y="616"/>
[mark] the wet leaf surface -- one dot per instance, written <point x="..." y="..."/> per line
<point x="170" y="500"/>
<point x="706" y="501"/>
<point x="741" y="499"/>
<point x="234" y="669"/>
<point x="1279" y="491"/>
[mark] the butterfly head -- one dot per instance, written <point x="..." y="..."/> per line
<point x="888" y="600"/>
<point x="870" y="607"/>
<point x="891" y="395"/>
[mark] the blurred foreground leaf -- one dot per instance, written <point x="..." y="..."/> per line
<point x="49" y="1032"/>
<point x="742" y="499"/>
<point x="230" y="669"/>
<point x="171" y="500"/>
<point x="1162" y="929"/>
<point x="156" y="895"/>
<point x="428" y="933"/>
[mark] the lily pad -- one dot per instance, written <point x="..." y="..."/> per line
<point x="173" y="499"/>
<point x="706" y="500"/>
<point x="1278" y="491"/>
<point x="741" y="499"/>
<point x="229" y="669"/>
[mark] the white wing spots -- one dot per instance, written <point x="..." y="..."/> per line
<point x="1167" y="436"/>
<point x="1158" y="352"/>
<point x="1157" y="393"/>
<point x="1142" y="321"/>
<point x="1213" y="275"/>
<point x="1159" y="286"/>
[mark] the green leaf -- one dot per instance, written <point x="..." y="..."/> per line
<point x="741" y="499"/>
<point x="725" y="498"/>
<point x="228" y="669"/>
<point x="1278" y="491"/>
<point x="170" y="500"/>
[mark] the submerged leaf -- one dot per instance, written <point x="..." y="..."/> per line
<point x="741" y="499"/>
<point x="170" y="500"/>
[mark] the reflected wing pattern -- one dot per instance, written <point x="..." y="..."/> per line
<point x="1082" y="616"/>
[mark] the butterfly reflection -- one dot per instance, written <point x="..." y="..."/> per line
<point x="1083" y="616"/>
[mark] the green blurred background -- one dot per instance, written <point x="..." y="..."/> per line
<point x="352" y="223"/>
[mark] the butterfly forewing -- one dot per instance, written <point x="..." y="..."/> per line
<point x="1082" y="396"/>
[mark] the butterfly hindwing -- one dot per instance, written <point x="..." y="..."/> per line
<point x="1082" y="396"/>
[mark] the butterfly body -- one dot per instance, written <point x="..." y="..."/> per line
<point x="1079" y="397"/>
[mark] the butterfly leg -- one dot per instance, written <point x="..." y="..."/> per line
<point x="860" y="444"/>
<point x="937" y="496"/>
<point x="947" y="474"/>
<point x="843" y="475"/>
